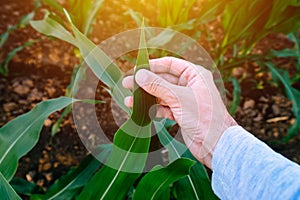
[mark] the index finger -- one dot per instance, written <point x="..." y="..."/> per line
<point x="171" y="65"/>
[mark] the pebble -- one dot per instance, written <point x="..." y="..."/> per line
<point x="21" y="89"/>
<point x="8" y="107"/>
<point x="47" y="166"/>
<point x="47" y="122"/>
<point x="249" y="104"/>
<point x="28" y="83"/>
<point x="275" y="109"/>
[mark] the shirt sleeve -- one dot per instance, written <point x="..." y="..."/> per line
<point x="246" y="168"/>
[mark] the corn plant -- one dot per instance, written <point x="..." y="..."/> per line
<point x="83" y="14"/>
<point x="174" y="16"/>
<point x="23" y="22"/>
<point x="185" y="174"/>
<point x="281" y="77"/>
<point x="246" y="22"/>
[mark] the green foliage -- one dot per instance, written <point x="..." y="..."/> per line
<point x="131" y="144"/>
<point x="282" y="77"/>
<point x="155" y="183"/>
<point x="234" y="104"/>
<point x="19" y="136"/>
<point x="24" y="187"/>
<point x="24" y="21"/>
<point x="102" y="66"/>
<point x="70" y="185"/>
<point x="173" y="12"/>
<point x="197" y="184"/>
<point x="249" y="21"/>
<point x="11" y="54"/>
<point x="6" y="191"/>
<point x="83" y="13"/>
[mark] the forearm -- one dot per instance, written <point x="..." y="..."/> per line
<point x="246" y="168"/>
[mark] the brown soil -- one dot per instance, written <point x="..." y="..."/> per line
<point x="43" y="71"/>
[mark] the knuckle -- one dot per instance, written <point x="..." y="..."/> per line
<point x="155" y="85"/>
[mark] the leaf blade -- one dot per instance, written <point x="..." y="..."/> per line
<point x="154" y="183"/>
<point x="6" y="191"/>
<point x="25" y="129"/>
<point x="130" y="150"/>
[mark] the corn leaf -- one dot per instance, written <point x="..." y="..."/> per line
<point x="50" y="27"/>
<point x="197" y="184"/>
<point x="53" y="4"/>
<point x="24" y="21"/>
<point x="281" y="76"/>
<point x="244" y="19"/>
<point x="102" y="66"/>
<point x="154" y="183"/>
<point x="6" y="191"/>
<point x="131" y="145"/>
<point x="201" y="188"/>
<point x="91" y="16"/>
<point x="22" y="130"/>
<point x="279" y="7"/>
<point x="23" y="187"/>
<point x="234" y="104"/>
<point x="4" y="67"/>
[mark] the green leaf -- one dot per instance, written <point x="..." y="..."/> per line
<point x="281" y="76"/>
<point x="24" y="21"/>
<point x="102" y="66"/>
<point x="22" y="130"/>
<point x="53" y="4"/>
<point x="131" y="145"/>
<point x="6" y="191"/>
<point x="91" y="16"/>
<point x="50" y="27"/>
<point x="23" y="187"/>
<point x="4" y="68"/>
<point x="196" y="184"/>
<point x="286" y="53"/>
<point x="234" y="104"/>
<point x="154" y="183"/>
<point x="245" y="20"/>
<point x="201" y="188"/>
<point x="279" y="7"/>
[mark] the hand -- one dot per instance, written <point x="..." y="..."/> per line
<point x="187" y="94"/>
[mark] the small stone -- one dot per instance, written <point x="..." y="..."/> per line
<point x="35" y="95"/>
<point x="56" y="164"/>
<point x="46" y="166"/>
<point x="22" y="102"/>
<point x="21" y="89"/>
<point x="249" y="104"/>
<point x="275" y="109"/>
<point x="48" y="176"/>
<point x="28" y="83"/>
<point x="8" y="107"/>
<point x="47" y="122"/>
<point x="51" y="91"/>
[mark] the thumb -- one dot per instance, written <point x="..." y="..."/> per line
<point x="155" y="85"/>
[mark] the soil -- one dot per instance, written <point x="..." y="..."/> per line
<point x="43" y="71"/>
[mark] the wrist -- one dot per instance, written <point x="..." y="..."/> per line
<point x="208" y="145"/>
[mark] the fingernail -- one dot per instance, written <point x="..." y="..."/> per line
<point x="141" y="76"/>
<point x="127" y="101"/>
<point x="124" y="82"/>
